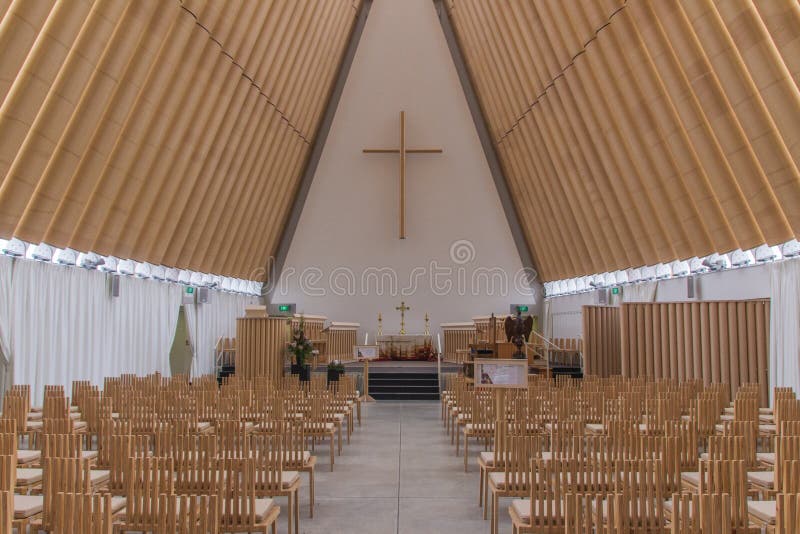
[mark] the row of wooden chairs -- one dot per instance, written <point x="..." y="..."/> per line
<point x="616" y="420"/>
<point x="211" y="435"/>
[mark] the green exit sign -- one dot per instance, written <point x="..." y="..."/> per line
<point x="189" y="290"/>
<point x="615" y="291"/>
<point x="284" y="307"/>
<point x="522" y="309"/>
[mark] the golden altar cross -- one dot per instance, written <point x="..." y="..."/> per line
<point x="402" y="309"/>
<point x="402" y="151"/>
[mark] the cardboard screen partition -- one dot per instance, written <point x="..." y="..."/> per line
<point x="601" y="341"/>
<point x="457" y="337"/>
<point x="725" y="341"/>
<point x="261" y="346"/>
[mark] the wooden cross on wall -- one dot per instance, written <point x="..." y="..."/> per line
<point x="402" y="151"/>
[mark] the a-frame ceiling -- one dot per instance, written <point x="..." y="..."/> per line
<point x="176" y="132"/>
<point x="166" y="131"/>
<point x="638" y="132"/>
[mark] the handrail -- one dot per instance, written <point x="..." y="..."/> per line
<point x="546" y="340"/>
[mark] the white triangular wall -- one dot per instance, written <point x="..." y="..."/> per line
<point x="347" y="235"/>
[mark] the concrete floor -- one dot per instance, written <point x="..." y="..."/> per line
<point x="400" y="475"/>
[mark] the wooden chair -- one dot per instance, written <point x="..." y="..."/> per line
<point x="639" y="496"/>
<point x="62" y="475"/>
<point x="24" y="508"/>
<point x="6" y="511"/>
<point x="702" y="514"/>
<point x="580" y="518"/>
<point x="108" y="429"/>
<point x="749" y="431"/>
<point x="233" y="439"/>
<point x="666" y="449"/>
<point x="77" y="513"/>
<point x="148" y="479"/>
<point x="705" y="414"/>
<point x="272" y="481"/>
<point x="241" y="511"/>
<point x="481" y="425"/>
<point x="123" y="448"/>
<point x="490" y="461"/>
<point x="297" y="458"/>
<point x="788" y="520"/>
<point x="728" y="477"/>
<point x="16" y="406"/>
<point x="180" y="514"/>
<point x="9" y="446"/>
<point x="515" y="479"/>
<point x="318" y="426"/>
<point x="197" y="473"/>
<point x="764" y="512"/>
<point x="766" y="482"/>
<point x="686" y="432"/>
<point x="544" y="512"/>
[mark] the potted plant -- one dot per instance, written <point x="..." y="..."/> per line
<point x="335" y="370"/>
<point x="300" y="347"/>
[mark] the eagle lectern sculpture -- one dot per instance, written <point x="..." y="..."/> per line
<point x="518" y="330"/>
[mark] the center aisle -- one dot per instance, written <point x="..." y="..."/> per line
<point x="400" y="475"/>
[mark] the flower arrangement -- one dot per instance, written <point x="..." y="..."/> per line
<point x="336" y="365"/>
<point x="300" y="347"/>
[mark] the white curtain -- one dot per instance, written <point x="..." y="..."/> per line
<point x="784" y="364"/>
<point x="210" y="321"/>
<point x="66" y="326"/>
<point x="6" y="363"/>
<point x="641" y="292"/>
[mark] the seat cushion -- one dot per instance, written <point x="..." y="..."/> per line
<point x="469" y="427"/>
<point x="766" y="457"/>
<point x="595" y="428"/>
<point x="27" y="457"/>
<point x="487" y="457"/>
<point x="288" y="478"/>
<point x="117" y="504"/>
<point x="765" y="479"/>
<point x="27" y="477"/>
<point x="88" y="455"/>
<point x="98" y="476"/>
<point x="263" y="508"/>
<point x="497" y="479"/>
<point x="35" y="425"/>
<point x="765" y="511"/>
<point x="522" y="507"/>
<point x="691" y="477"/>
<point x="26" y="506"/>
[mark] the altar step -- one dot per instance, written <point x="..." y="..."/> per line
<point x="404" y="386"/>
